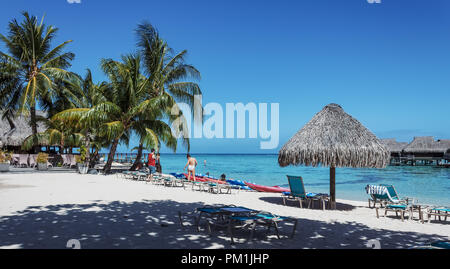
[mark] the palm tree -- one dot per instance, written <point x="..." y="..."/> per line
<point x="124" y="109"/>
<point x="57" y="133"/>
<point x="36" y="64"/>
<point x="169" y="77"/>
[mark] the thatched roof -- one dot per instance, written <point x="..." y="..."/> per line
<point x="334" y="138"/>
<point x="444" y="143"/>
<point x="15" y="136"/>
<point x="427" y="144"/>
<point x="394" y="146"/>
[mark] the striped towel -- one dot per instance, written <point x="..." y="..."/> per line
<point x="374" y="189"/>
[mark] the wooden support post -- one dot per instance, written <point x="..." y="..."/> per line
<point x="332" y="187"/>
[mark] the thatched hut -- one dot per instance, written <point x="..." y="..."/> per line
<point x="426" y="146"/>
<point x="447" y="155"/>
<point x="13" y="131"/>
<point x="394" y="147"/>
<point x="333" y="138"/>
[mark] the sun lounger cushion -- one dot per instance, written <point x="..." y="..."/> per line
<point x="270" y="217"/>
<point x="236" y="209"/>
<point x="309" y="194"/>
<point x="441" y="244"/>
<point x="244" y="218"/>
<point x="442" y="209"/>
<point x="396" y="206"/>
<point x="209" y="210"/>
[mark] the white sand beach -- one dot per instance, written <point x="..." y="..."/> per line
<point x="45" y="210"/>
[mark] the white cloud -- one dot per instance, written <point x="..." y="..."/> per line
<point x="74" y="1"/>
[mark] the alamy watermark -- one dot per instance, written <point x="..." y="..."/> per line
<point x="213" y="121"/>
<point x="73" y="244"/>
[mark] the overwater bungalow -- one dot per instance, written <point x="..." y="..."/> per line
<point x="425" y="150"/>
<point x="394" y="146"/>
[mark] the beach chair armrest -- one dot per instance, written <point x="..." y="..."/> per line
<point x="408" y="200"/>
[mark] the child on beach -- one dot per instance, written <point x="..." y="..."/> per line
<point x="191" y="164"/>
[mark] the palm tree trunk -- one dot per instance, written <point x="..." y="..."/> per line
<point x="138" y="157"/>
<point x="93" y="159"/>
<point x="87" y="144"/>
<point x="33" y="123"/>
<point x="112" y="152"/>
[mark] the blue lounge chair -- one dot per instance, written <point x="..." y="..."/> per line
<point x="264" y="219"/>
<point x="298" y="193"/>
<point x="437" y="212"/>
<point x="384" y="194"/>
<point x="397" y="208"/>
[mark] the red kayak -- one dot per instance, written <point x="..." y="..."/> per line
<point x="263" y="188"/>
<point x="201" y="179"/>
<point x="206" y="179"/>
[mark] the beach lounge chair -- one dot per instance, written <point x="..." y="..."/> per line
<point x="66" y="161"/>
<point x="438" y="213"/>
<point x="237" y="217"/>
<point x="299" y="194"/>
<point x="397" y="208"/>
<point x="217" y="187"/>
<point x="136" y="175"/>
<point x="71" y="160"/>
<point x="384" y="194"/>
<point x="32" y="160"/>
<point x="23" y="160"/>
<point x="264" y="219"/>
<point x="434" y="245"/>
<point x="15" y="160"/>
<point x="122" y="174"/>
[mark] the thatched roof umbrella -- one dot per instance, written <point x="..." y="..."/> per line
<point x="335" y="139"/>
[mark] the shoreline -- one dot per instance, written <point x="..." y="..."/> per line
<point x="109" y="212"/>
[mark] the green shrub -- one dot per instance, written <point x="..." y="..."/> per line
<point x="5" y="157"/>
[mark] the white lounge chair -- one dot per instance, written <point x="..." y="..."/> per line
<point x="23" y="160"/>
<point x="15" y="160"/>
<point x="71" y="159"/>
<point x="32" y="160"/>
<point x="65" y="159"/>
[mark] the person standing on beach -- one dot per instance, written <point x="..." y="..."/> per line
<point x="152" y="162"/>
<point x="158" y="163"/>
<point x="191" y="164"/>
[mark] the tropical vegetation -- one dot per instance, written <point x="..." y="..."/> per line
<point x="142" y="90"/>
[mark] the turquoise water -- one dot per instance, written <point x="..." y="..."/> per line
<point x="428" y="184"/>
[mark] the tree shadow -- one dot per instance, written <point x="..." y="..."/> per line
<point x="155" y="224"/>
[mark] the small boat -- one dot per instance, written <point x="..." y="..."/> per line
<point x="262" y="188"/>
<point x="201" y="179"/>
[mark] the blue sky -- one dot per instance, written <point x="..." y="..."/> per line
<point x="386" y="64"/>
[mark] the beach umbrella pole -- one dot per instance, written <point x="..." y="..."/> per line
<point x="332" y="187"/>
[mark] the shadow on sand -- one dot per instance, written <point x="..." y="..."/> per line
<point x="316" y="205"/>
<point x="155" y="224"/>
